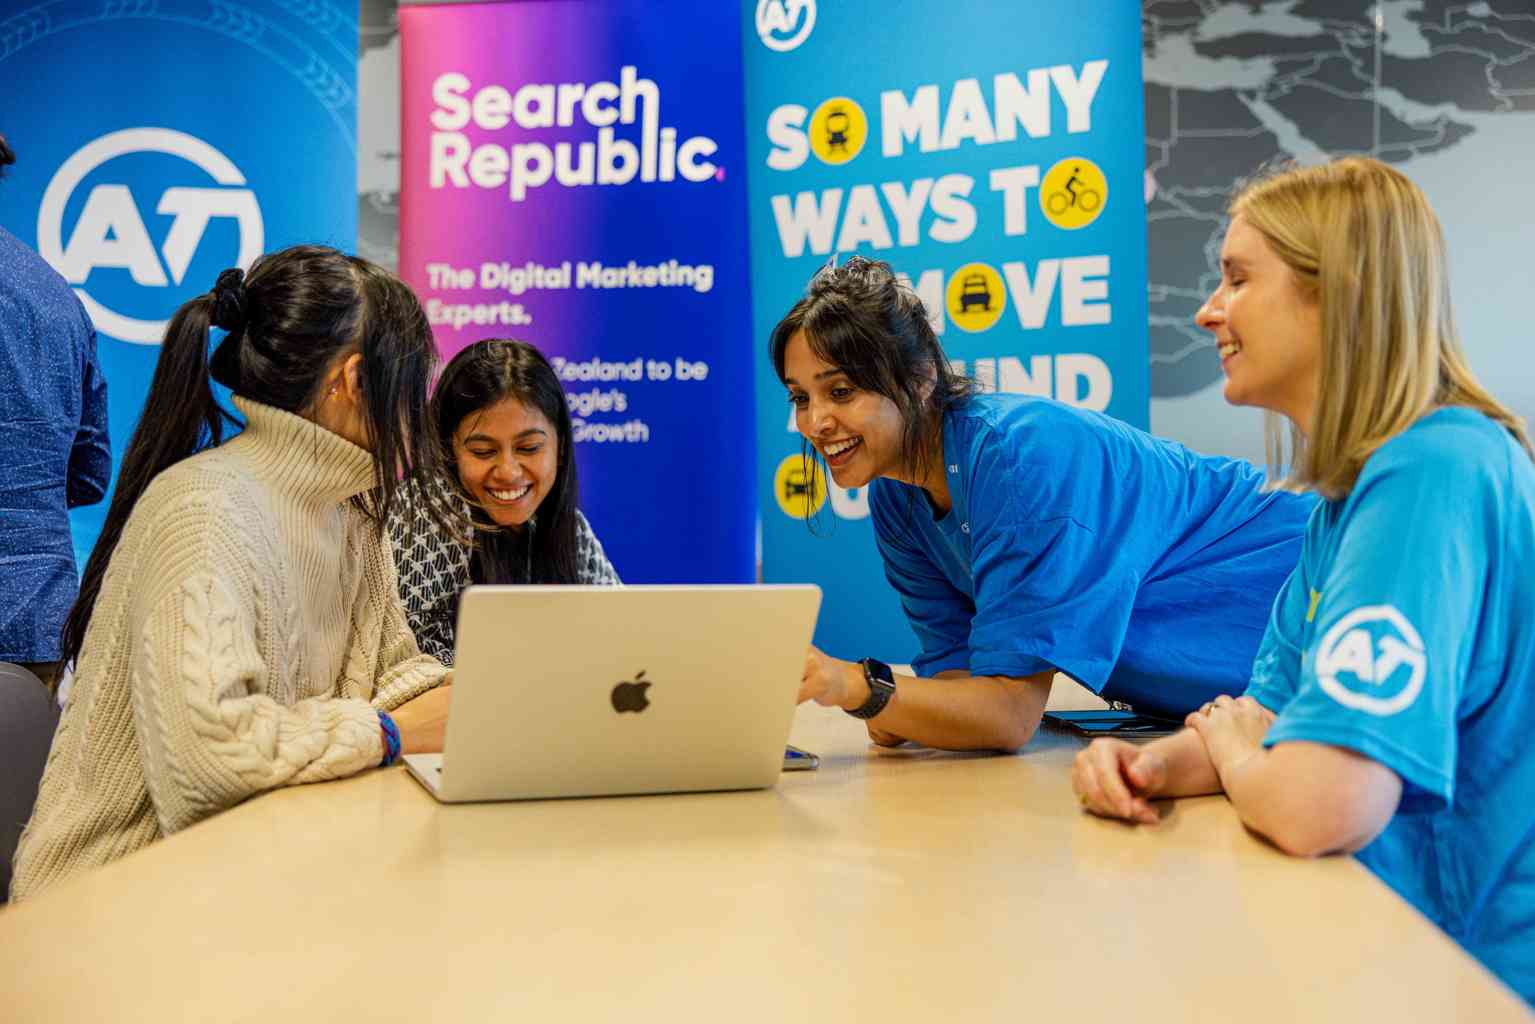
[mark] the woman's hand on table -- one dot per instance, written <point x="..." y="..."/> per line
<point x="1232" y="729"/>
<point x="423" y="721"/>
<point x="1115" y="779"/>
<point x="832" y="682"/>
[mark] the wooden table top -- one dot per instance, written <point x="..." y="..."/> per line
<point x="885" y="886"/>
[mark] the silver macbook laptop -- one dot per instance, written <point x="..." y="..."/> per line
<point x="591" y="691"/>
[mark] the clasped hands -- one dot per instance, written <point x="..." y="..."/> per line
<point x="1116" y="779"/>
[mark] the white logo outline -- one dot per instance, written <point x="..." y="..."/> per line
<point x="1412" y="654"/>
<point x="767" y="23"/>
<point x="186" y="230"/>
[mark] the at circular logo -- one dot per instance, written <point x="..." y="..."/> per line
<point x="1073" y="192"/>
<point x="799" y="487"/>
<point x="838" y="130"/>
<point x="111" y="231"/>
<point x="1372" y="660"/>
<point x="784" y="24"/>
<point x="975" y="297"/>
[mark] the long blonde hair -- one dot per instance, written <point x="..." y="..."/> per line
<point x="1363" y="242"/>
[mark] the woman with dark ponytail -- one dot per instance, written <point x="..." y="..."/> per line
<point x="509" y="471"/>
<point x="238" y="627"/>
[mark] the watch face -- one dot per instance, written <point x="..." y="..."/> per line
<point x="881" y="688"/>
<point x="878" y="671"/>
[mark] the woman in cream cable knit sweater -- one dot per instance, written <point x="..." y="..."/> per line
<point x="238" y="627"/>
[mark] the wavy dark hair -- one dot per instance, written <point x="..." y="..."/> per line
<point x="485" y="374"/>
<point x="862" y="319"/>
<point x="294" y="315"/>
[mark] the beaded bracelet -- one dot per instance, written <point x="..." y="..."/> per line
<point x="391" y="739"/>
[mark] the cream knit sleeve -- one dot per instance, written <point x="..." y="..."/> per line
<point x="405" y="671"/>
<point x="210" y="736"/>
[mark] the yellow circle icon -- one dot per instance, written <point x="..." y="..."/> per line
<point x="1073" y="193"/>
<point x="975" y="297"/>
<point x="799" y="487"/>
<point x="838" y="130"/>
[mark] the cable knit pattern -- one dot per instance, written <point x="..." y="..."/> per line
<point x="247" y="632"/>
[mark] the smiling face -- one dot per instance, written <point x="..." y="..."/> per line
<point x="508" y="458"/>
<point x="857" y="432"/>
<point x="1269" y="331"/>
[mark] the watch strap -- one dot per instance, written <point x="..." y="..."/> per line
<point x="881" y="688"/>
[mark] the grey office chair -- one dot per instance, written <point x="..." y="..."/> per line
<point x="27" y="719"/>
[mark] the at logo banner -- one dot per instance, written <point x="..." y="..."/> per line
<point x="234" y="135"/>
<point x="110" y="231"/>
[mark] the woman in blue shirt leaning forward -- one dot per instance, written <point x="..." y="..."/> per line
<point x="1389" y="704"/>
<point x="1023" y="535"/>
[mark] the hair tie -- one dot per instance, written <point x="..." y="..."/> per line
<point x="229" y="300"/>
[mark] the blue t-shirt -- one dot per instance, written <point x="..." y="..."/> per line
<point x="1077" y="542"/>
<point x="1407" y="634"/>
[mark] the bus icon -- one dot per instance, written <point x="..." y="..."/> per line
<point x="974" y="291"/>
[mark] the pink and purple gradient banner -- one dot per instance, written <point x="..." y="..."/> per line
<point x="574" y="176"/>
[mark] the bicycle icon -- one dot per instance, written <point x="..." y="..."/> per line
<point x="1086" y="199"/>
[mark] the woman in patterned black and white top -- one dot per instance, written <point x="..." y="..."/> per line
<point x="499" y="414"/>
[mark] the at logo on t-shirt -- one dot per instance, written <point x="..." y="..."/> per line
<point x="1372" y="660"/>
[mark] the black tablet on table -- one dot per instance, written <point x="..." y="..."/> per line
<point x="1110" y="722"/>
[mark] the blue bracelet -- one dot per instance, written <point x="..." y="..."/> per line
<point x="391" y="739"/>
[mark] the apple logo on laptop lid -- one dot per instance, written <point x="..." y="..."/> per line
<point x="630" y="696"/>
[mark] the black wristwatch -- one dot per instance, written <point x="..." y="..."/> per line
<point x="881" y="688"/>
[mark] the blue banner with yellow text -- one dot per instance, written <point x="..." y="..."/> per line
<point x="994" y="158"/>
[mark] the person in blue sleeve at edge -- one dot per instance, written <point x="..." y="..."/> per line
<point x="1390" y="701"/>
<point x="54" y="449"/>
<point x="1023" y="535"/>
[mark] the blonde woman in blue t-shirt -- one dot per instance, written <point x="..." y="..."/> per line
<point x="1389" y="701"/>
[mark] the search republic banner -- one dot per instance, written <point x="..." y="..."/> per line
<point x="993" y="155"/>
<point x="574" y="177"/>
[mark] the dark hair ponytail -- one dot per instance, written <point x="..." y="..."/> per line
<point x="289" y="320"/>
<point x="180" y="417"/>
<point x="480" y="376"/>
<point x="7" y="156"/>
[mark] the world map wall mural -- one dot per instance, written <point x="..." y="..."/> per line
<point x="1444" y="91"/>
